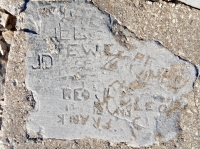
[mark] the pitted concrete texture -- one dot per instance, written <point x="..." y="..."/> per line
<point x="86" y="84"/>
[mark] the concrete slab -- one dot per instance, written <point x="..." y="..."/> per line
<point x="85" y="84"/>
<point x="128" y="88"/>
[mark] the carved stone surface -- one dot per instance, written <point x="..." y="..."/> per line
<point x="86" y="84"/>
<point x="193" y="3"/>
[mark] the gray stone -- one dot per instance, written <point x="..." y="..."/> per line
<point x="193" y="3"/>
<point x="86" y="84"/>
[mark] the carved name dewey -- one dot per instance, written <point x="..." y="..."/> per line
<point x="86" y="84"/>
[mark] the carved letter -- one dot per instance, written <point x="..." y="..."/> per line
<point x="74" y="119"/>
<point x="67" y="93"/>
<point x="107" y="49"/>
<point x="87" y="51"/>
<point x="76" y="94"/>
<point x="39" y="63"/>
<point x="64" y="33"/>
<point x="62" y="117"/>
<point x="97" y="108"/>
<point x="84" y="120"/>
<point x="128" y="108"/>
<point x="122" y="112"/>
<point x="136" y="106"/>
<point x="111" y="64"/>
<point x="44" y="62"/>
<point x="148" y="106"/>
<point x="47" y="61"/>
<point x="86" y="94"/>
<point x="139" y="56"/>
<point x="107" y="126"/>
<point x="96" y="123"/>
<point x="78" y="35"/>
<point x="137" y="126"/>
<point x="133" y="133"/>
<point x="151" y="75"/>
<point x="162" y="108"/>
<point x="70" y="50"/>
<point x="148" y="58"/>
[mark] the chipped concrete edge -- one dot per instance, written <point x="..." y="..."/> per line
<point x="193" y="3"/>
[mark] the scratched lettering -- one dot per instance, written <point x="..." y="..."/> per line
<point x="67" y="93"/>
<point x="44" y="62"/>
<point x="61" y="118"/>
<point x="96" y="122"/>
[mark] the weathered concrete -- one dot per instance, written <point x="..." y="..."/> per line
<point x="86" y="84"/>
<point x="157" y="90"/>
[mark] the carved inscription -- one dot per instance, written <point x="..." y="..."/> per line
<point x="86" y="84"/>
<point x="45" y="61"/>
